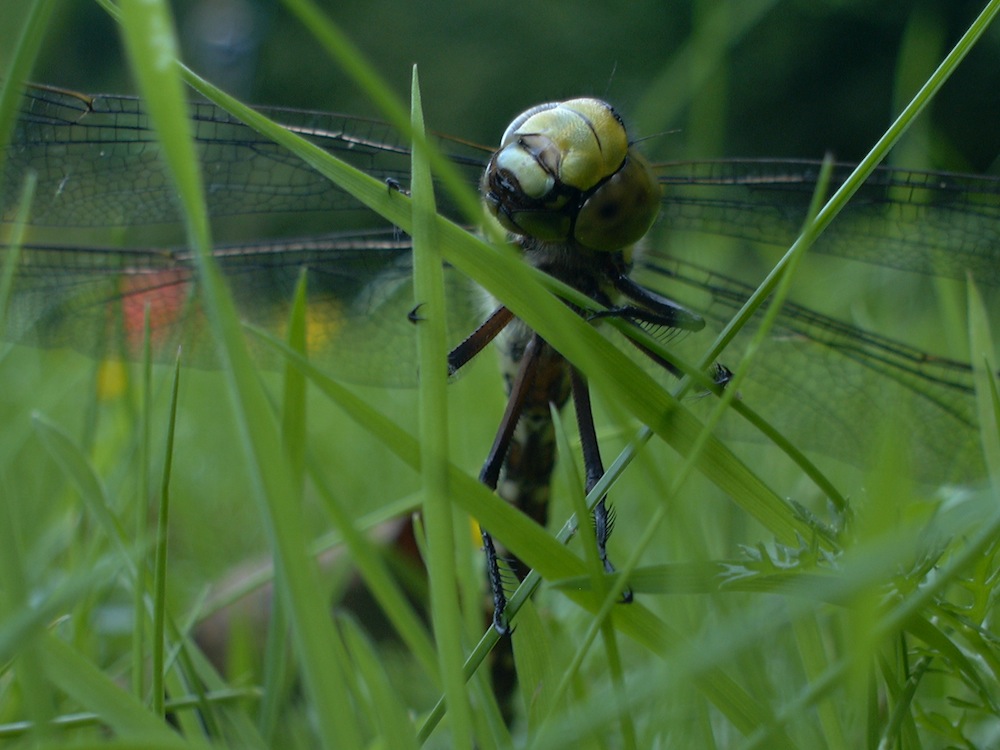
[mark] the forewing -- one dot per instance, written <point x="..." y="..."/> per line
<point x="98" y="162"/>
<point x="360" y="297"/>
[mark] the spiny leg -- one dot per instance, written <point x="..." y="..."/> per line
<point x="458" y="358"/>
<point x="593" y="468"/>
<point x="490" y="473"/>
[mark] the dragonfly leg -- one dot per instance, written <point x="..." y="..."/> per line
<point x="495" y="577"/>
<point x="593" y="468"/>
<point x="476" y="341"/>
<point x="490" y="473"/>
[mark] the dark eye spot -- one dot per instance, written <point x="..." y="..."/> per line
<point x="610" y="209"/>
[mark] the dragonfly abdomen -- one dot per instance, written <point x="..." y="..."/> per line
<point x="527" y="469"/>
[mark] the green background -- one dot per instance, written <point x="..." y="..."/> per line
<point x="779" y="79"/>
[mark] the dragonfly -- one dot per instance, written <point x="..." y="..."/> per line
<point x="820" y="380"/>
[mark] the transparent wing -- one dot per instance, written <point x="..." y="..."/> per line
<point x="360" y="294"/>
<point x="825" y="383"/>
<point x="820" y="379"/>
<point x="98" y="167"/>
<point x="98" y="162"/>
<point x="932" y="223"/>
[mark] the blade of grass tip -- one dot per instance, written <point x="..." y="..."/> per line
<point x="807" y="236"/>
<point x="984" y="365"/>
<point x="160" y="560"/>
<point x="81" y="474"/>
<point x="432" y="350"/>
<point x="149" y="39"/>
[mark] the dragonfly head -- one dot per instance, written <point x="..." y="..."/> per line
<point x="565" y="172"/>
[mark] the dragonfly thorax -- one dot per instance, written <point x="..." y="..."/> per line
<point x="565" y="172"/>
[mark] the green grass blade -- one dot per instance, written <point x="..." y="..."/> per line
<point x="95" y="691"/>
<point x="293" y="422"/>
<point x="26" y="47"/>
<point x="535" y="547"/>
<point x="149" y="38"/>
<point x="389" y="715"/>
<point x="393" y="109"/>
<point x="160" y="559"/>
<point x="12" y="256"/>
<point x="521" y="288"/>
<point x="143" y="486"/>
<point x="432" y="349"/>
<point x="21" y="618"/>
<point x="378" y="578"/>
<point x="598" y="584"/>
<point x="534" y="659"/>
<point x="93" y="492"/>
<point x="277" y="671"/>
<point x="984" y="362"/>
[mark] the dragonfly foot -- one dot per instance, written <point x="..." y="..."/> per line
<point x="496" y="579"/>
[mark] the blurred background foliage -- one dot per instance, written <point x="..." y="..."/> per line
<point x="705" y="79"/>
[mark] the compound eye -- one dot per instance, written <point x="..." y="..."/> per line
<point x="621" y="210"/>
<point x="565" y="171"/>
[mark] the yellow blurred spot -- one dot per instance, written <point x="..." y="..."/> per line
<point x="111" y="379"/>
<point x="477" y="532"/>
<point x="323" y="324"/>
